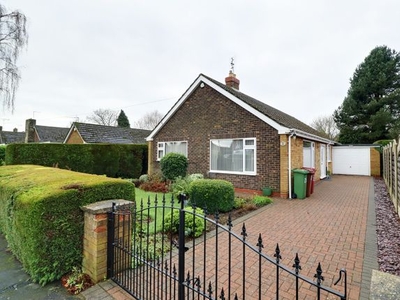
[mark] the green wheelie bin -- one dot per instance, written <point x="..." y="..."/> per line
<point x="300" y="182"/>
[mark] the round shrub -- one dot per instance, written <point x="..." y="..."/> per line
<point x="174" y="165"/>
<point x="144" y="178"/>
<point x="194" y="225"/>
<point x="212" y="194"/>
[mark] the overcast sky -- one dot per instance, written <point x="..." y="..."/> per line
<point x="141" y="56"/>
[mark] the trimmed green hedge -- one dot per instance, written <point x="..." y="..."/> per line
<point x="213" y="194"/>
<point x="2" y="154"/>
<point x="113" y="160"/>
<point x="41" y="218"/>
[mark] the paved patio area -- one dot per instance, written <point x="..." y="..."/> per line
<point x="335" y="226"/>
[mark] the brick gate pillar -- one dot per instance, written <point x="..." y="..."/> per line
<point x="94" y="261"/>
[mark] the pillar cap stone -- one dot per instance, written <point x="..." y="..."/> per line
<point x="105" y="206"/>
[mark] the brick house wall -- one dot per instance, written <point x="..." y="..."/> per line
<point x="74" y="138"/>
<point x="205" y="115"/>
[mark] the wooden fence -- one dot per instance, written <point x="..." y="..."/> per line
<point x="391" y="171"/>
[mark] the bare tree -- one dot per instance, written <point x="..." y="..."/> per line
<point x="106" y="117"/>
<point x="149" y="120"/>
<point x="13" y="37"/>
<point x="326" y="125"/>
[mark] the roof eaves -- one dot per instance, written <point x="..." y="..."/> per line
<point x="310" y="136"/>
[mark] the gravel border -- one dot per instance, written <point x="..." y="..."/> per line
<point x="387" y="230"/>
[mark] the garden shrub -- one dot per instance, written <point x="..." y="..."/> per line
<point x="174" y="165"/>
<point x="261" y="200"/>
<point x="144" y="178"/>
<point x="154" y="183"/>
<point x="212" y="194"/>
<point x="41" y="216"/>
<point x="182" y="185"/>
<point x="239" y="202"/>
<point x="194" y="225"/>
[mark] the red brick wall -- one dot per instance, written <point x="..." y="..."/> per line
<point x="206" y="115"/>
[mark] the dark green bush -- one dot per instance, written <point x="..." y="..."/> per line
<point x="2" y="154"/>
<point x="41" y="216"/>
<point x="213" y="194"/>
<point x="174" y="165"/>
<point x="194" y="225"/>
<point x="126" y="161"/>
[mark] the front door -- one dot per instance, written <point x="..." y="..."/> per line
<point x="323" y="161"/>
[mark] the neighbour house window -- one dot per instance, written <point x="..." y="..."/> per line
<point x="233" y="156"/>
<point x="308" y="154"/>
<point x="164" y="148"/>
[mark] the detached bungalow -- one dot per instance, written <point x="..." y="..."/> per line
<point x="229" y="135"/>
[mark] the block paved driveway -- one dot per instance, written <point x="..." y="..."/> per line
<point x="329" y="227"/>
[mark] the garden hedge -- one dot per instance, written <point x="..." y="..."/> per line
<point x="113" y="160"/>
<point x="212" y="194"/>
<point x="41" y="218"/>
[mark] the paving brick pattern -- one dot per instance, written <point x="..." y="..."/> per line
<point x="329" y="227"/>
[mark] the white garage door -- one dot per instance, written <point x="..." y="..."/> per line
<point x="351" y="160"/>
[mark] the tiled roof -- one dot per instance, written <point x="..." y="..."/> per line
<point x="51" y="134"/>
<point x="269" y="111"/>
<point x="94" y="133"/>
<point x="11" y="137"/>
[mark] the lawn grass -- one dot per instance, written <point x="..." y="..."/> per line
<point x="145" y="199"/>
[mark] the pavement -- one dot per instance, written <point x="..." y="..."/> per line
<point x="16" y="284"/>
<point x="334" y="226"/>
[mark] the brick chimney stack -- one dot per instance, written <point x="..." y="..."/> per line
<point x="30" y="130"/>
<point x="232" y="81"/>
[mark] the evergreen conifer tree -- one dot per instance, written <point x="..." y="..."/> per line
<point x="371" y="109"/>
<point x="122" y="120"/>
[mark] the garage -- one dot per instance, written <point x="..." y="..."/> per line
<point x="351" y="160"/>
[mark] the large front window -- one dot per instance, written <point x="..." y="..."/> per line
<point x="164" y="148"/>
<point x="233" y="156"/>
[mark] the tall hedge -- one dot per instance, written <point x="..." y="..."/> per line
<point x="113" y="160"/>
<point x="41" y="218"/>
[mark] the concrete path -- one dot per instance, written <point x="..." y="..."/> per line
<point x="334" y="226"/>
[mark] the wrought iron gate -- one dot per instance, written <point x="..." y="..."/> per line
<point x="154" y="256"/>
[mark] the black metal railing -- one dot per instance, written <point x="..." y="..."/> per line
<point x="150" y="261"/>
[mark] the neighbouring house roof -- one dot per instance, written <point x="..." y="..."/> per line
<point x="279" y="120"/>
<point x="48" y="134"/>
<point x="94" y="133"/>
<point x="11" y="137"/>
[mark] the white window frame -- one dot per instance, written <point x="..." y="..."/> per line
<point x="245" y="147"/>
<point x="312" y="153"/>
<point x="161" y="148"/>
<point x="329" y="153"/>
